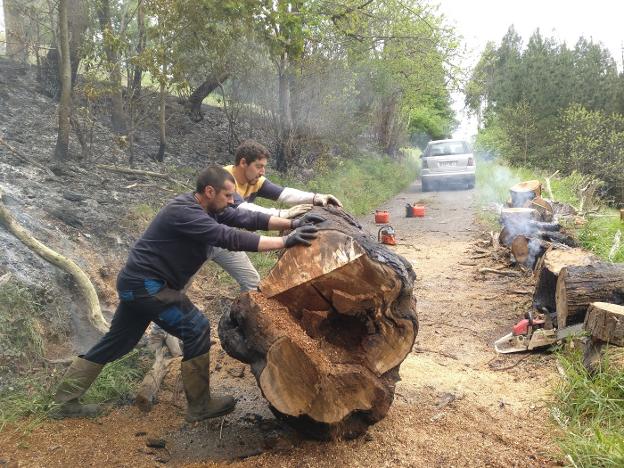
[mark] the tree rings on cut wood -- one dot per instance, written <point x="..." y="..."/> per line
<point x="579" y="286"/>
<point x="524" y="191"/>
<point x="328" y="330"/>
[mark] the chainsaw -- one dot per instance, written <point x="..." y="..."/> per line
<point x="530" y="333"/>
<point x="386" y="235"/>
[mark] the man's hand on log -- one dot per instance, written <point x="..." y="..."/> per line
<point x="324" y="199"/>
<point x="302" y="235"/>
<point x="309" y="218"/>
<point x="295" y="211"/>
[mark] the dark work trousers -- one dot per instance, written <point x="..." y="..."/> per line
<point x="152" y="302"/>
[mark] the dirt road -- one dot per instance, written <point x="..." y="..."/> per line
<point x="458" y="404"/>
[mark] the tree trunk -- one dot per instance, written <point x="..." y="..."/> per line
<point x="16" y="48"/>
<point x="548" y="269"/>
<point x="525" y="191"/>
<point x="64" y="108"/>
<point x="137" y="76"/>
<point x="78" y="22"/>
<point x="162" y="126"/>
<point x="285" y="132"/>
<point x="327" y="332"/>
<point x="118" y="118"/>
<point x="202" y="92"/>
<point x="579" y="286"/>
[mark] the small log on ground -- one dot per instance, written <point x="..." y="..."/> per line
<point x="605" y="324"/>
<point x="328" y="331"/>
<point x="150" y="386"/>
<point x="579" y="286"/>
<point x="548" y="268"/>
<point x="527" y="251"/>
<point x="524" y="191"/>
<point x="543" y="207"/>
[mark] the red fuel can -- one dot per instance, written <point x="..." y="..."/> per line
<point x="382" y="217"/>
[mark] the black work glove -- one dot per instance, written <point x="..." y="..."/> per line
<point x="302" y="235"/>
<point x="308" y="218"/>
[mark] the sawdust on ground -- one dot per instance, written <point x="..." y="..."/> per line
<point x="458" y="403"/>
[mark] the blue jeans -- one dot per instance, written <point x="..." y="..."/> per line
<point x="153" y="302"/>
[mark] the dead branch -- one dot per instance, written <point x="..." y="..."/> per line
<point x="548" y="187"/>
<point x="499" y="272"/>
<point x="127" y="170"/>
<point x="82" y="280"/>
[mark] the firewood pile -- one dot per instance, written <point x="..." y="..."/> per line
<point x="529" y="224"/>
<point x="572" y="285"/>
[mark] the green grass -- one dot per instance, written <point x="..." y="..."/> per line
<point x="362" y="183"/>
<point x="20" y="325"/>
<point x="591" y="413"/>
<point x="31" y="396"/>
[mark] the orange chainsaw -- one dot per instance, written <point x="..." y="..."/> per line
<point x="386" y="235"/>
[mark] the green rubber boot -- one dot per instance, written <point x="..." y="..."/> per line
<point x="196" y="380"/>
<point x="75" y="383"/>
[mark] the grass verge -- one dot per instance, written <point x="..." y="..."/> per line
<point x="591" y="411"/>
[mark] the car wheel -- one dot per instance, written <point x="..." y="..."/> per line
<point x="425" y="186"/>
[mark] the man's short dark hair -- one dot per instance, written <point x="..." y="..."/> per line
<point x="250" y="150"/>
<point x="213" y="176"/>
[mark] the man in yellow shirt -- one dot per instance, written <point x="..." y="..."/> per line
<point x="249" y="168"/>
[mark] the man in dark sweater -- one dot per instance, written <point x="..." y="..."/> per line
<point x="150" y="287"/>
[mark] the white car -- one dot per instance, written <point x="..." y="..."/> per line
<point x="446" y="162"/>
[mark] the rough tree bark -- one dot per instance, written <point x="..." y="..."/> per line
<point x="579" y="286"/>
<point x="162" y="120"/>
<point x="202" y="92"/>
<point x="327" y="332"/>
<point x="548" y="269"/>
<point x="61" y="150"/>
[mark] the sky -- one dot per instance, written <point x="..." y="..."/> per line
<point x="480" y="21"/>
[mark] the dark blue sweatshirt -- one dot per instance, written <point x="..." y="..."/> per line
<point x="177" y="241"/>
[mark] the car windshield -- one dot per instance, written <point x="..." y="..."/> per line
<point x="447" y="148"/>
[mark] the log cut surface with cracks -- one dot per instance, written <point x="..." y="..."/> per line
<point x="328" y="330"/>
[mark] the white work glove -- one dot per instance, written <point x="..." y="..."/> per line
<point x="321" y="199"/>
<point x="295" y="211"/>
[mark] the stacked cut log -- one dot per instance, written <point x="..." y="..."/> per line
<point x="528" y="229"/>
<point x="605" y="324"/>
<point x="328" y="330"/>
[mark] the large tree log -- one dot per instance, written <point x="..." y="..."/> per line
<point x="327" y="333"/>
<point x="548" y="268"/>
<point x="579" y="286"/>
<point x="605" y="324"/>
<point x="524" y="191"/>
